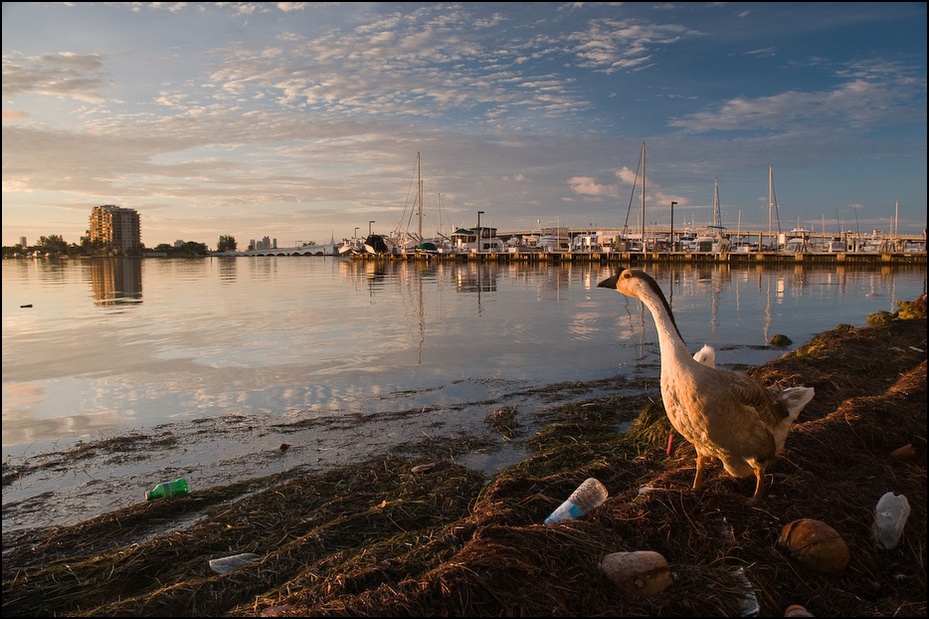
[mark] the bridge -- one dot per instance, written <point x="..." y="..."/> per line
<point x="303" y="250"/>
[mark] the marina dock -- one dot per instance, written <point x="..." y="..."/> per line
<point x="797" y="247"/>
<point x="731" y="258"/>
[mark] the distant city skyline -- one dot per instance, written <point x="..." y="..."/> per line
<point x="303" y="121"/>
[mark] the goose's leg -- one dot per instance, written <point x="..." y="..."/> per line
<point x="759" y="486"/>
<point x="698" y="477"/>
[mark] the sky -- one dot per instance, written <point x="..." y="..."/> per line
<point x="304" y="122"/>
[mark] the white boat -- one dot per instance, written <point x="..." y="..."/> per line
<point x="711" y="241"/>
<point x="686" y="240"/>
<point x="351" y="247"/>
<point x="587" y="243"/>
<point x="876" y="243"/>
<point x="796" y="241"/>
<point x="555" y="241"/>
<point x="481" y="240"/>
<point x="528" y="244"/>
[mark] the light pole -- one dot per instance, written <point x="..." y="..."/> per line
<point x="480" y="246"/>
<point x="369" y="227"/>
<point x="672" y="225"/>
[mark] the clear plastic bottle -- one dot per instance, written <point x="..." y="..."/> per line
<point x="588" y="495"/>
<point x="890" y="515"/>
<point x="169" y="488"/>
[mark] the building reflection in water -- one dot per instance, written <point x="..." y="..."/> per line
<point x="116" y="281"/>
<point x="476" y="278"/>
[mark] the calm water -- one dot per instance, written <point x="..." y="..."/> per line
<point x="342" y="358"/>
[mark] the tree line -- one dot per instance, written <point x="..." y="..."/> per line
<point x="54" y="245"/>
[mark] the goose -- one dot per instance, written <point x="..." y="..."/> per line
<point x="727" y="415"/>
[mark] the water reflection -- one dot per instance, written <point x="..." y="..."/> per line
<point x="227" y="269"/>
<point x="116" y="281"/>
<point x="298" y="334"/>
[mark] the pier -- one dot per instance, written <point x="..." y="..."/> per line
<point x="731" y="258"/>
<point x="795" y="247"/>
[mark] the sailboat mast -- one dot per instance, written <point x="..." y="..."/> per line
<point x="419" y="198"/>
<point x="770" y="197"/>
<point x="643" y="198"/>
<point x="438" y="203"/>
<point x="896" y="218"/>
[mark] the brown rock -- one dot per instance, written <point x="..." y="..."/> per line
<point x="644" y="572"/>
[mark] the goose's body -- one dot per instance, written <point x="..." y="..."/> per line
<point x="727" y="415"/>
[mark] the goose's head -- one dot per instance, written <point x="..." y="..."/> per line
<point x="640" y="285"/>
<point x="634" y="283"/>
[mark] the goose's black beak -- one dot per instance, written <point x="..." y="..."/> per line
<point x="610" y="282"/>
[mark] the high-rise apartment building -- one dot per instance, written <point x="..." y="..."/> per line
<point x="117" y="227"/>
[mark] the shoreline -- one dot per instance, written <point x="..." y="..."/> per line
<point x="377" y="538"/>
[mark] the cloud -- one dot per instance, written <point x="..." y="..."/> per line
<point x="63" y="75"/>
<point x="287" y="7"/>
<point x="867" y="94"/>
<point x="587" y="186"/>
<point x="608" y="45"/>
<point x="14" y="115"/>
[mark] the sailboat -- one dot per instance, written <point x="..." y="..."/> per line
<point x="712" y="239"/>
<point x="400" y="241"/>
<point x="773" y="212"/>
<point x="439" y="244"/>
<point x="626" y="240"/>
<point x="405" y="241"/>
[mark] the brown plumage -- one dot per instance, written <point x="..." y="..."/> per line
<point x="727" y="415"/>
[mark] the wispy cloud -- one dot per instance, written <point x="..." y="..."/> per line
<point x="63" y="74"/>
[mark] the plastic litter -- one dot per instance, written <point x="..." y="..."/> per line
<point x="890" y="517"/>
<point x="224" y="565"/>
<point x="588" y="495"/>
<point x="170" y="488"/>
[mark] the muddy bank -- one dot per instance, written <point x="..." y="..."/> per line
<point x="416" y="533"/>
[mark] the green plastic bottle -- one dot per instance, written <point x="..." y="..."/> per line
<point x="170" y="488"/>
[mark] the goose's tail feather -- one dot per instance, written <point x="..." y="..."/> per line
<point x="796" y="398"/>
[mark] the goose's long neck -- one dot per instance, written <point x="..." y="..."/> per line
<point x="669" y="338"/>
